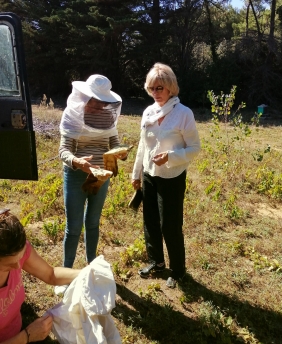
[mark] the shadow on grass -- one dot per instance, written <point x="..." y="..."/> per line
<point x="28" y="316"/>
<point x="159" y="323"/>
<point x="264" y="324"/>
<point x="167" y="326"/>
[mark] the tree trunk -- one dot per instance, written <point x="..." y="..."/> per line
<point x="272" y="19"/>
<point x="256" y="19"/>
<point x="271" y="40"/>
<point x="211" y="31"/>
<point x="247" y="19"/>
<point x="155" y="38"/>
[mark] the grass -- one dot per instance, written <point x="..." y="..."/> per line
<point x="232" y="227"/>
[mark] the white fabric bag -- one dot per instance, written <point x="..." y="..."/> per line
<point x="83" y="317"/>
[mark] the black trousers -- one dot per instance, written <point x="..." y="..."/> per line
<point x="163" y="218"/>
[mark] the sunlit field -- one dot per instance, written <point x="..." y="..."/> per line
<point x="232" y="227"/>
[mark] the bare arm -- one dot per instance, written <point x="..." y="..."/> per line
<point x="38" y="267"/>
<point x="40" y="328"/>
<point x="20" y="338"/>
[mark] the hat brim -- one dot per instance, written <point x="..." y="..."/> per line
<point x="110" y="97"/>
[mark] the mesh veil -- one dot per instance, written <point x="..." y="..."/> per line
<point x="99" y="121"/>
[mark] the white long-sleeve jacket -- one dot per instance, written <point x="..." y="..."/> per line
<point x="177" y="134"/>
<point x="83" y="317"/>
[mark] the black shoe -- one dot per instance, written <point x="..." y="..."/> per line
<point x="145" y="272"/>
<point x="178" y="277"/>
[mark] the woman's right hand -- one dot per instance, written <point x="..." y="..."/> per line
<point x="40" y="328"/>
<point x="83" y="163"/>
<point x="136" y="183"/>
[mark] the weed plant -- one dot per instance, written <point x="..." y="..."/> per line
<point x="232" y="228"/>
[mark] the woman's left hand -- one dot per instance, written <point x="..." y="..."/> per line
<point x="83" y="163"/>
<point x="160" y="158"/>
<point x="39" y="329"/>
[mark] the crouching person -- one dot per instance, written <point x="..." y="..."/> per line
<point x="17" y="254"/>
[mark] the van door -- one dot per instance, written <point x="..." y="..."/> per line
<point x="17" y="138"/>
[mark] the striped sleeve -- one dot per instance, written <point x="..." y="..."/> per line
<point x="85" y="146"/>
<point x="67" y="150"/>
<point x="114" y="141"/>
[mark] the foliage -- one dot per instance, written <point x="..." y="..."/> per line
<point x="269" y="182"/>
<point x="134" y="253"/>
<point x="53" y="229"/>
<point x="209" y="45"/>
<point x="152" y="291"/>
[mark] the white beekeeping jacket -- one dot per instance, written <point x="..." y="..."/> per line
<point x="84" y="315"/>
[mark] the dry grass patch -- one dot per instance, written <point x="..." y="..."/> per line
<point x="232" y="227"/>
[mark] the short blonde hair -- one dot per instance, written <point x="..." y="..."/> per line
<point x="165" y="76"/>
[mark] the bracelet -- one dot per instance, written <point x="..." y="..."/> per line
<point x="26" y="331"/>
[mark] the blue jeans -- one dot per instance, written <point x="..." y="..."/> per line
<point x="81" y="208"/>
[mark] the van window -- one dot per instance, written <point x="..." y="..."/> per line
<point x="8" y="63"/>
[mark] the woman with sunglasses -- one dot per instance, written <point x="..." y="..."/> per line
<point x="17" y="254"/>
<point x="168" y="142"/>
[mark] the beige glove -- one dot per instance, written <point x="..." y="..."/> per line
<point x="100" y="173"/>
<point x="95" y="180"/>
<point x="110" y="160"/>
<point x="110" y="163"/>
<point x="92" y="184"/>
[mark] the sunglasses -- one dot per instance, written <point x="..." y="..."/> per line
<point x="157" y="89"/>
